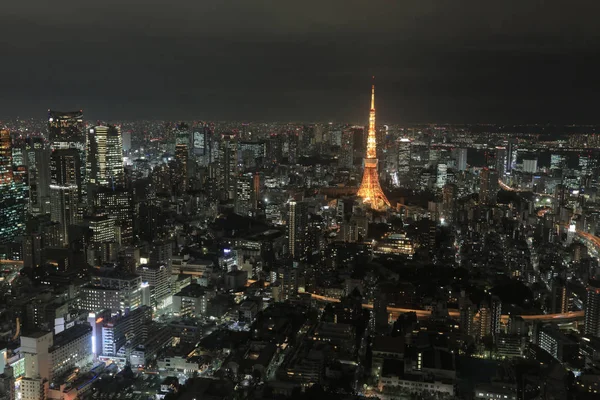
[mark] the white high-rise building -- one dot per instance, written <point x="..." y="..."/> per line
<point x="104" y="161"/>
<point x="442" y="175"/>
<point x="461" y="159"/>
<point x="530" y="165"/>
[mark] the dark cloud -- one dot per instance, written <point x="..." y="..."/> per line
<point x="435" y="60"/>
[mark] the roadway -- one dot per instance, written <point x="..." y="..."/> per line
<point x="424" y="314"/>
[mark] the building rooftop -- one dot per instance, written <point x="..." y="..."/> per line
<point x="68" y="335"/>
<point x="192" y="290"/>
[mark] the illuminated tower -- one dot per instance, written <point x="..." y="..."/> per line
<point x="12" y="196"/>
<point x="104" y="163"/>
<point x="370" y="189"/>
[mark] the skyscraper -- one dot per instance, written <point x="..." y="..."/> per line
<point x="182" y="162"/>
<point x="501" y="160"/>
<point x="116" y="202"/>
<point x="460" y="156"/>
<point x="370" y="189"/>
<point x="12" y="196"/>
<point x="404" y="159"/>
<point x="36" y="157"/>
<point x="243" y="195"/>
<point x="65" y="128"/>
<point x="530" y="165"/>
<point x="592" y="309"/>
<point x="558" y="161"/>
<point x="297" y="230"/>
<point x="104" y="162"/>
<point x="488" y="190"/>
<point x="227" y="166"/>
<point x="511" y="154"/>
<point x="65" y="180"/>
<point x="347" y="149"/>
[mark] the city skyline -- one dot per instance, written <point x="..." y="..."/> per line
<point x="158" y="241"/>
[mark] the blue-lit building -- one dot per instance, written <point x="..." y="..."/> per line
<point x="13" y="195"/>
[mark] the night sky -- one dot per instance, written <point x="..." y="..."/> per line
<point x="434" y="60"/>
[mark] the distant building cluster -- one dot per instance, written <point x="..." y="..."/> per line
<point x="223" y="260"/>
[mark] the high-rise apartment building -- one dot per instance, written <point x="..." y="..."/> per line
<point x="592" y="309"/>
<point x="346" y="159"/>
<point x="488" y="190"/>
<point x="297" y="230"/>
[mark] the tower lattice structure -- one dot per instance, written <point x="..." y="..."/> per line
<point x="370" y="189"/>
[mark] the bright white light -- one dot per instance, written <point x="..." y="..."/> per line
<point x="50" y="119"/>
<point x="91" y="131"/>
<point x="572" y="228"/>
<point x="93" y="344"/>
<point x="442" y="220"/>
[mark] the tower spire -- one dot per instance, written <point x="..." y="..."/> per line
<point x="370" y="189"/>
<point x="373" y="97"/>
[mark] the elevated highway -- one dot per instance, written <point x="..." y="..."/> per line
<point x="424" y="314"/>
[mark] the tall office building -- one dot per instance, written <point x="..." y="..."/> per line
<point x="530" y="165"/>
<point x="181" y="174"/>
<point x="559" y="296"/>
<point x="558" y="161"/>
<point x="347" y="149"/>
<point x="117" y="203"/>
<point x="501" y="160"/>
<point x="449" y="197"/>
<point x="251" y="154"/>
<point x="244" y="194"/>
<point x="104" y="162"/>
<point x="460" y="158"/>
<point x="12" y="196"/>
<point x="441" y="175"/>
<point x="65" y="180"/>
<point x="36" y="158"/>
<point x="404" y="159"/>
<point x="587" y="163"/>
<point x="157" y="276"/>
<point x="511" y="154"/>
<point x="65" y="128"/>
<point x="488" y="190"/>
<point x="297" y="230"/>
<point x="592" y="309"/>
<point x="227" y="166"/>
<point x="117" y="291"/>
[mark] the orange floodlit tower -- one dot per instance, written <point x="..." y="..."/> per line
<point x="370" y="189"/>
